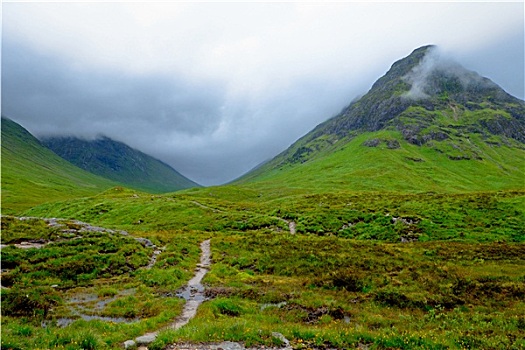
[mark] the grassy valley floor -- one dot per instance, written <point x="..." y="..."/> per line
<point x="363" y="270"/>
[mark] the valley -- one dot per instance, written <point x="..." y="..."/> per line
<point x="393" y="227"/>
<point x="120" y="163"/>
<point x="385" y="270"/>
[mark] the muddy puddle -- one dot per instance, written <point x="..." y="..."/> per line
<point x="66" y="321"/>
<point x="85" y="306"/>
<point x="276" y="305"/>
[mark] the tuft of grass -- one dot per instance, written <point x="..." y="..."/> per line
<point x="107" y="292"/>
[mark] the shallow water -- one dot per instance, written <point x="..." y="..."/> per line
<point x="193" y="293"/>
<point x="66" y="321"/>
<point x="81" y="303"/>
<point x="277" y="305"/>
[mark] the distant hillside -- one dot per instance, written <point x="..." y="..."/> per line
<point x="119" y="162"/>
<point x="33" y="174"/>
<point x="427" y="125"/>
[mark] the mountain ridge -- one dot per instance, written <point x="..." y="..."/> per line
<point x="32" y="174"/>
<point x="423" y="100"/>
<point x="395" y="90"/>
<point x="119" y="162"/>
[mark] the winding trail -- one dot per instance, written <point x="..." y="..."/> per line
<point x="193" y="292"/>
<point x="215" y="210"/>
<point x="291" y="224"/>
<point x="153" y="258"/>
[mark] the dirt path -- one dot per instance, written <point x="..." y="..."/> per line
<point x="215" y="210"/>
<point x="193" y="292"/>
<point x="291" y="225"/>
<point x="153" y="258"/>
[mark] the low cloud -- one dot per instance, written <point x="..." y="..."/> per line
<point x="85" y="102"/>
<point x="195" y="125"/>
<point x="214" y="89"/>
<point x="435" y="62"/>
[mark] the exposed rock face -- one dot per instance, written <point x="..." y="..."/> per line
<point x="390" y="143"/>
<point x="129" y="344"/>
<point x="425" y="97"/>
<point x="425" y="79"/>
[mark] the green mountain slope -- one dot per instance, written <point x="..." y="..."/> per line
<point x="119" y="162"/>
<point x="32" y="174"/>
<point x="427" y="125"/>
<point x="304" y="246"/>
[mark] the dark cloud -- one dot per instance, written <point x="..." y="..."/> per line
<point x="192" y="125"/>
<point x="503" y="62"/>
<point x="87" y="102"/>
<point x="214" y="90"/>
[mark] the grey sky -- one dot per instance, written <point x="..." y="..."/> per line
<point x="213" y="89"/>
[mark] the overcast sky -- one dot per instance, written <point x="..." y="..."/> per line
<point x="214" y="89"/>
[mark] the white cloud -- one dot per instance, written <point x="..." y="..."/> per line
<point x="250" y="44"/>
<point x="265" y="72"/>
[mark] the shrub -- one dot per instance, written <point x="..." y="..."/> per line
<point x="347" y="280"/>
<point x="24" y="331"/>
<point x="107" y="292"/>
<point x="88" y="341"/>
<point x="29" y="302"/>
<point x="226" y="307"/>
<point x="395" y="298"/>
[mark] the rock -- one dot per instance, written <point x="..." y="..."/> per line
<point x="228" y="345"/>
<point x="292" y="225"/>
<point x="282" y="338"/>
<point x="53" y="222"/>
<point x="145" y="242"/>
<point x="70" y="231"/>
<point x="129" y="344"/>
<point x="89" y="228"/>
<point x="25" y="218"/>
<point x="392" y="144"/>
<point x="146" y="339"/>
<point x="276" y="305"/>
<point x="372" y="143"/>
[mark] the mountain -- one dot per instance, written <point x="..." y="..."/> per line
<point x="116" y="161"/>
<point x="428" y="124"/>
<point x="33" y="174"/>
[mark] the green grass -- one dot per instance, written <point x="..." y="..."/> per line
<point x="108" y="266"/>
<point x="459" y="285"/>
<point x="340" y="293"/>
<point x="344" y="280"/>
<point x="387" y="216"/>
<point x="32" y="174"/>
<point x="410" y="168"/>
<point x="119" y="162"/>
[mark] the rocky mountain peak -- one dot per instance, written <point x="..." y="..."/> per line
<point x="426" y="78"/>
<point x="404" y="66"/>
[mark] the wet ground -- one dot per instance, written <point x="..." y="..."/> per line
<point x="193" y="293"/>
